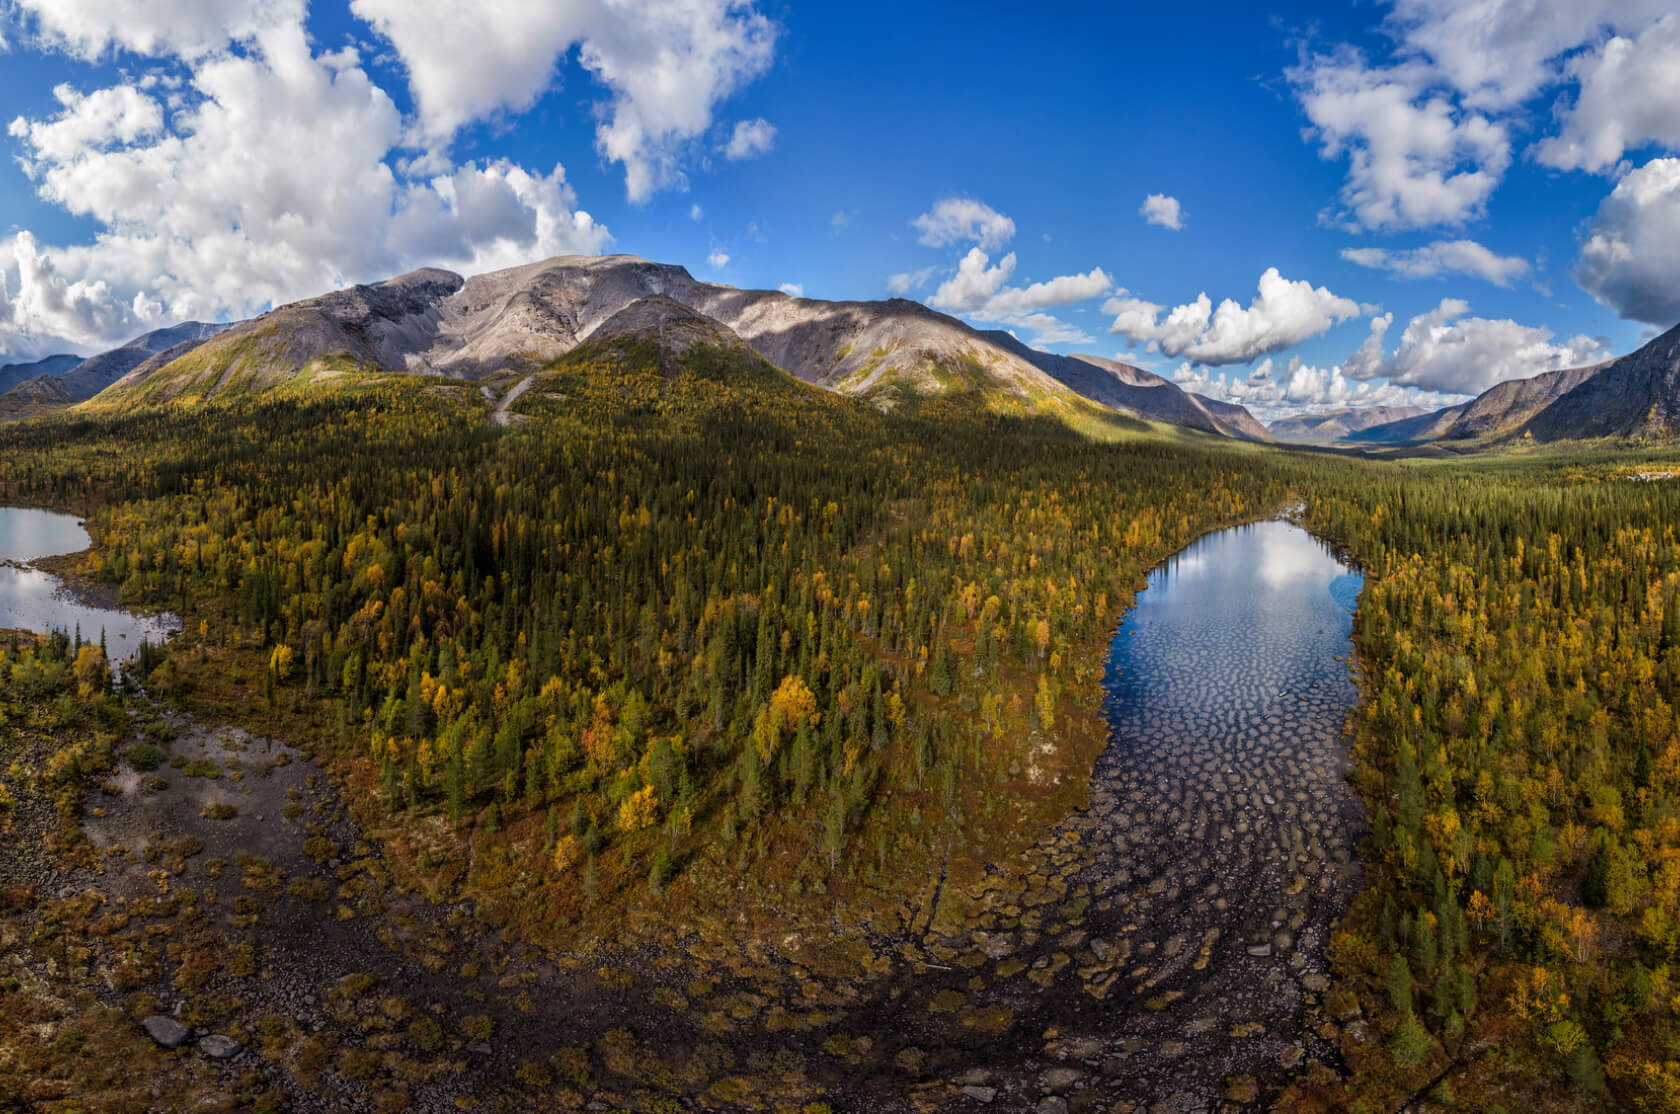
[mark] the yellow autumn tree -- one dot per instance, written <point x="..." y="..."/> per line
<point x="791" y="705"/>
<point x="91" y="670"/>
<point x="568" y="852"/>
<point x="1046" y="700"/>
<point x="639" y="810"/>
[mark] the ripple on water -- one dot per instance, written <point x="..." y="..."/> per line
<point x="1216" y="853"/>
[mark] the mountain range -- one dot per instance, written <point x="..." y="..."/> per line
<point x="67" y="378"/>
<point x="1635" y="396"/>
<point x="13" y="374"/>
<point x="436" y="322"/>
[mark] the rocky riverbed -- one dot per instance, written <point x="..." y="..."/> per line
<point x="1164" y="950"/>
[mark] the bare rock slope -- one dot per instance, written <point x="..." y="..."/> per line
<point x="435" y="322"/>
<point x="1635" y="396"/>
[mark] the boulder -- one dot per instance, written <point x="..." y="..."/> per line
<point x="166" y="1031"/>
<point x="218" y="1047"/>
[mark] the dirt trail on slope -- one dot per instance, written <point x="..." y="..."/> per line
<point x="502" y="415"/>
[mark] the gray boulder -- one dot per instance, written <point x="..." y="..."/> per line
<point x="218" y="1047"/>
<point x="166" y="1031"/>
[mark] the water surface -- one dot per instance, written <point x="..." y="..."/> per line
<point x="1165" y="948"/>
<point x="34" y="600"/>
<point x="1222" y="819"/>
<point x="28" y="534"/>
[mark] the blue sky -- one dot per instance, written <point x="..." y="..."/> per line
<point x="1402" y="202"/>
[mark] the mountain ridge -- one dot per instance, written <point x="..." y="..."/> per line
<point x="13" y="374"/>
<point x="432" y="321"/>
<point x="76" y="379"/>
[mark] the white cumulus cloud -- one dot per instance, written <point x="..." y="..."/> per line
<point x="1443" y="257"/>
<point x="793" y="289"/>
<point x="905" y="281"/>
<point x="957" y="220"/>
<point x="1445" y="350"/>
<point x="1415" y="158"/>
<point x="717" y="260"/>
<point x="269" y="176"/>
<point x="974" y="284"/>
<point x="1367" y="360"/>
<point x="750" y="139"/>
<point x="1063" y="290"/>
<point x="1165" y="211"/>
<point x="1281" y="314"/>
<point x="978" y="290"/>
<point x="1048" y="330"/>
<point x="190" y="28"/>
<point x="1499" y="53"/>
<point x="1628" y="261"/>
<point x="667" y="64"/>
<point x="1629" y="88"/>
<point x="1270" y="393"/>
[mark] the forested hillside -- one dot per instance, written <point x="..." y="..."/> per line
<point x="1518" y="749"/>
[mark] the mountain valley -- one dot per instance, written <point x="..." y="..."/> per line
<point x="599" y="687"/>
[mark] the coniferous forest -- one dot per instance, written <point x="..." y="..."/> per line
<point x="714" y="669"/>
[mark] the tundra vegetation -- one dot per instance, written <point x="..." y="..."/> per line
<point x="708" y="657"/>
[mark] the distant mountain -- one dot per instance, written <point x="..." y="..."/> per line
<point x="1131" y="390"/>
<point x="40" y="395"/>
<point x="1498" y="410"/>
<point x="98" y="372"/>
<point x="1328" y="426"/>
<point x="13" y="374"/>
<point x="74" y="379"/>
<point x="435" y="322"/>
<point x="1637" y="395"/>
<point x="1235" y="419"/>
<point x="1420" y="427"/>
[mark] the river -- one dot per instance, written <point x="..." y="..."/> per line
<point x="1165" y="948"/>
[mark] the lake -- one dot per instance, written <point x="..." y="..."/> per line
<point x="33" y="600"/>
